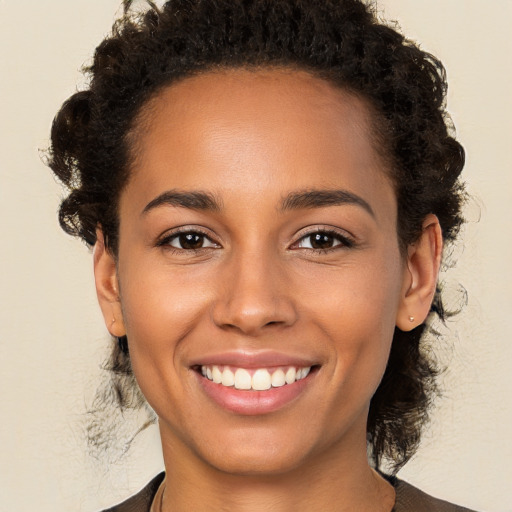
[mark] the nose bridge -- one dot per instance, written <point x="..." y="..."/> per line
<point x="253" y="295"/>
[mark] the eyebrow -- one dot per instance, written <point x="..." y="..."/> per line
<point x="320" y="198"/>
<point x="195" y="200"/>
<point x="198" y="200"/>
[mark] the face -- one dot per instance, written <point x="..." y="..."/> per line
<point x="258" y="246"/>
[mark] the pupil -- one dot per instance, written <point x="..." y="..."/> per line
<point x="321" y="241"/>
<point x="191" y="241"/>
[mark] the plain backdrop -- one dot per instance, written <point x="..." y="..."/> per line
<point x="52" y="338"/>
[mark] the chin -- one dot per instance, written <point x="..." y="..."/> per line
<point x="252" y="453"/>
<point x="255" y="464"/>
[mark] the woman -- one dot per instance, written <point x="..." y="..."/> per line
<point x="267" y="187"/>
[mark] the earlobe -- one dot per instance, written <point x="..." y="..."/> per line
<point x="420" y="276"/>
<point x="107" y="286"/>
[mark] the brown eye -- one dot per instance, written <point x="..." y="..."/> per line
<point x="190" y="241"/>
<point x="322" y="241"/>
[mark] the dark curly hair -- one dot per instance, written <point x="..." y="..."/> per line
<point x="341" y="41"/>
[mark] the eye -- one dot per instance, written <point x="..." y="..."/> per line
<point x="188" y="241"/>
<point x="323" y="240"/>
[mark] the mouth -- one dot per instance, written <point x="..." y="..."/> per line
<point x="254" y="390"/>
<point x="255" y="379"/>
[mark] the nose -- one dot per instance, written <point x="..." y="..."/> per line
<point x="254" y="295"/>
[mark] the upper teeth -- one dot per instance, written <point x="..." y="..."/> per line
<point x="260" y="380"/>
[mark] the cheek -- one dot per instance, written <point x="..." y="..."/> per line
<point x="160" y="308"/>
<point x="160" y="311"/>
<point x="357" y="310"/>
<point x="364" y="293"/>
<point x="159" y="300"/>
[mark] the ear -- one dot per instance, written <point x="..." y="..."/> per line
<point x="107" y="286"/>
<point x="420" y="276"/>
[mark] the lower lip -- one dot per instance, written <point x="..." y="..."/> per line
<point x="250" y="402"/>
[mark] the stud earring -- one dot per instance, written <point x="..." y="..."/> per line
<point x="411" y="319"/>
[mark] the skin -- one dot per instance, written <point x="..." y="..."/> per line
<point x="250" y="139"/>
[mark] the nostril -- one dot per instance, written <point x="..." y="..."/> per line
<point x="250" y="311"/>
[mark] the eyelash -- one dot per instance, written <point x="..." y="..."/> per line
<point x="344" y="241"/>
<point x="166" y="240"/>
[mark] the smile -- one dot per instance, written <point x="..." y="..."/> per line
<point x="255" y="383"/>
<point x="255" y="379"/>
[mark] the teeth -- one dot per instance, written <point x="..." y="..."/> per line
<point x="216" y="375"/>
<point x="302" y="373"/>
<point x="278" y="379"/>
<point x="290" y="376"/>
<point x="228" y="378"/>
<point x="261" y="379"/>
<point x="242" y="379"/>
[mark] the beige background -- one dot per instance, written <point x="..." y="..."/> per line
<point x="52" y="338"/>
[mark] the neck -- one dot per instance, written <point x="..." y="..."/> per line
<point x="336" y="481"/>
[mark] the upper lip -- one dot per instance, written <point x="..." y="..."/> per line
<point x="254" y="359"/>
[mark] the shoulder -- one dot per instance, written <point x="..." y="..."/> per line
<point x="411" y="499"/>
<point x="140" y="502"/>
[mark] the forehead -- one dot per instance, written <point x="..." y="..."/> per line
<point x="239" y="98"/>
<point x="281" y="127"/>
